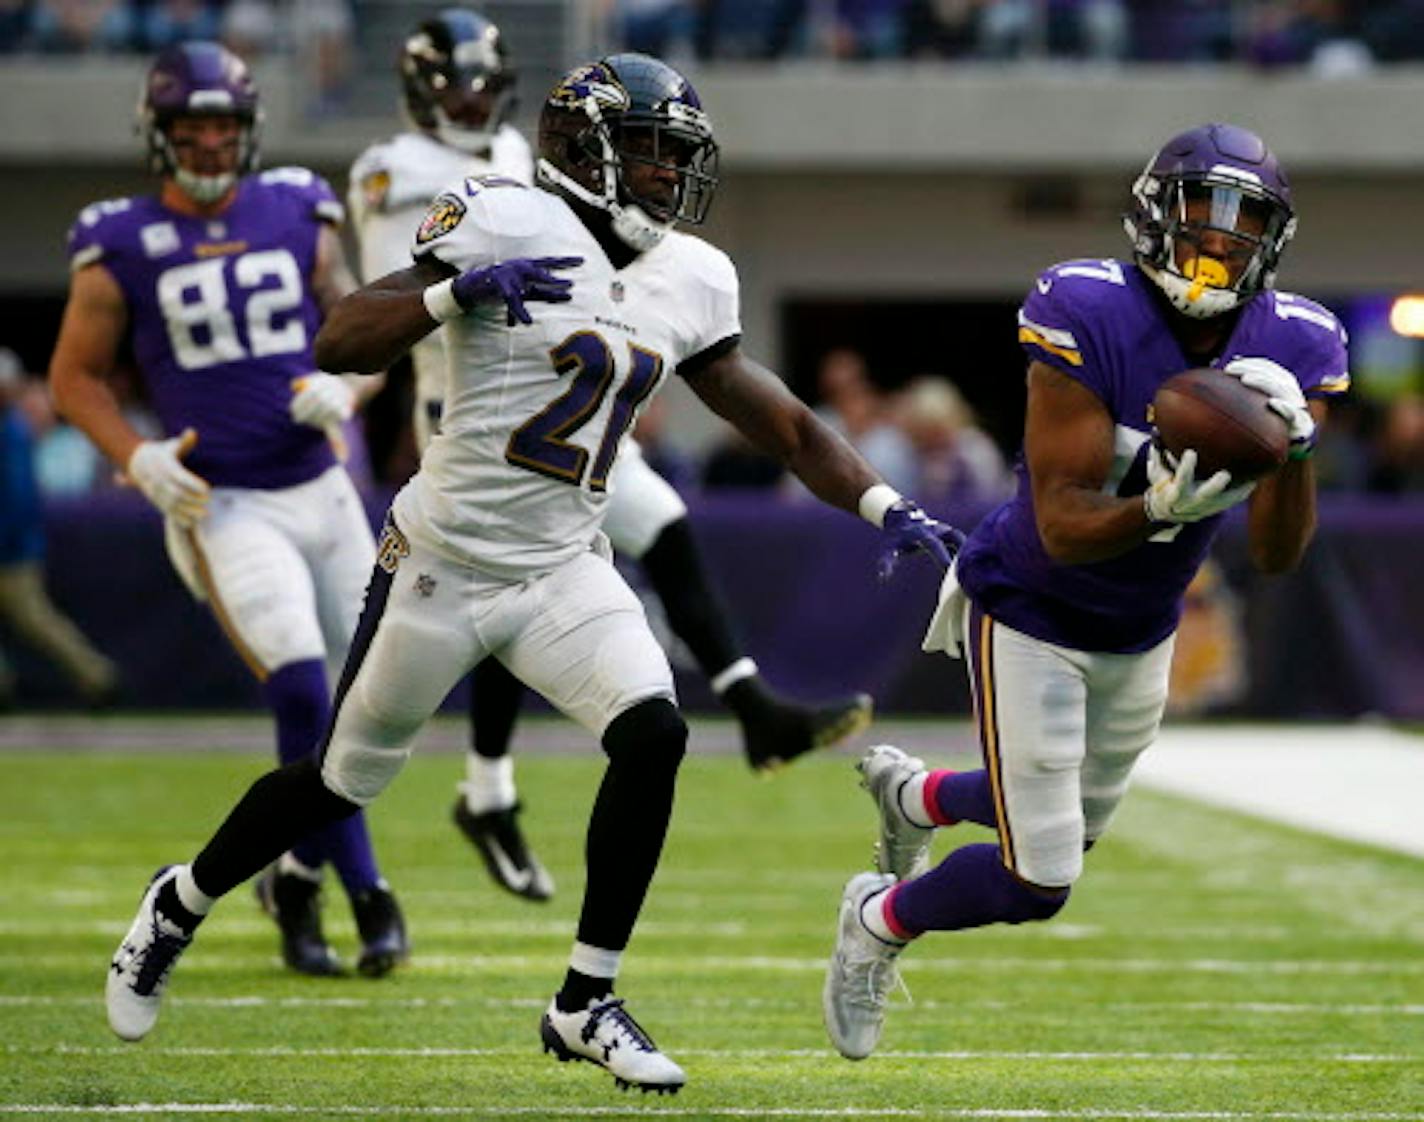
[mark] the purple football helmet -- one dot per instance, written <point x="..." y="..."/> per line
<point x="628" y="109"/>
<point x="198" y="80"/>
<point x="1236" y="193"/>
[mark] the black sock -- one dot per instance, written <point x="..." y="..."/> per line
<point x="171" y="908"/>
<point x="694" y="611"/>
<point x="495" y="698"/>
<point x="629" y="820"/>
<point x="579" y="990"/>
<point x="278" y="810"/>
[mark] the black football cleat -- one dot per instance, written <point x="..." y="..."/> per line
<point x="500" y="843"/>
<point x="295" y="903"/>
<point x="379" y="922"/>
<point x="775" y="732"/>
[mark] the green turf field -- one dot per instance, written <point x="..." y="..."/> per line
<point x="1208" y="967"/>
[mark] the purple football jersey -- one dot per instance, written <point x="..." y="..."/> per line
<point x="222" y="317"/>
<point x="1100" y="323"/>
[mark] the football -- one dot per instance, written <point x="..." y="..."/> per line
<point x="1228" y="423"/>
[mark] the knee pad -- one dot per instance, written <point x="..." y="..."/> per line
<point x="651" y="736"/>
<point x="364" y="753"/>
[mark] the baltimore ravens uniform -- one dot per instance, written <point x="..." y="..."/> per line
<point x="391" y="186"/>
<point x="222" y="319"/>
<point x="1069" y="663"/>
<point x="392" y="183"/>
<point x="495" y="544"/>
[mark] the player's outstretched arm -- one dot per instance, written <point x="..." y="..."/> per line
<point x="369" y="329"/>
<point x="756" y="402"/>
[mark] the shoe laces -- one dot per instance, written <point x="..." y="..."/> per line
<point x="155" y="961"/>
<point x="872" y="972"/>
<point x="622" y="1027"/>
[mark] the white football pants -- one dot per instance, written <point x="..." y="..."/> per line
<point x="576" y="634"/>
<point x="1060" y="731"/>
<point x="283" y="570"/>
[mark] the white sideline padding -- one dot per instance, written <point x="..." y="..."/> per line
<point x="1358" y="782"/>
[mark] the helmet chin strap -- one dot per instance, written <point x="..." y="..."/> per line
<point x="1191" y="297"/>
<point x="204" y="188"/>
<point x="630" y="222"/>
<point x="474" y="142"/>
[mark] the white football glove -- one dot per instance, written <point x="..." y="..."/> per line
<point x="156" y="470"/>
<point x="1284" y="398"/>
<point x="321" y="400"/>
<point x="1174" y="495"/>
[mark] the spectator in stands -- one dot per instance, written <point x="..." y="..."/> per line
<point x="1089" y="29"/>
<point x="15" y="16"/>
<point x="735" y="463"/>
<point x="868" y="29"/>
<point x="663" y="28"/>
<point x="1394" y="30"/>
<point x="853" y="405"/>
<point x="64" y="461"/>
<point x="751" y="29"/>
<point x="25" y="607"/>
<point x="77" y="26"/>
<point x="1399" y="449"/>
<point x="1181" y="31"/>
<point x="322" y="34"/>
<point x="942" y="28"/>
<point x="166" y="22"/>
<point x="957" y="461"/>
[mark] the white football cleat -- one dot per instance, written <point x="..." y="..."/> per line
<point x="606" y="1034"/>
<point x="141" y="966"/>
<point x="860" y="975"/>
<point x="904" y="847"/>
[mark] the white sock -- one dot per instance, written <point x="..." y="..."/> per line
<point x="872" y="917"/>
<point x="912" y="799"/>
<point x="596" y="962"/>
<point x="729" y="676"/>
<point x="288" y="865"/>
<point x="189" y="894"/>
<point x="489" y="784"/>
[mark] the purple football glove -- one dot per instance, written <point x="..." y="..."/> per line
<point x="908" y="530"/>
<point x="513" y="282"/>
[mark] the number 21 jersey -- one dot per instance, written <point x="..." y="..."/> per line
<point x="517" y="480"/>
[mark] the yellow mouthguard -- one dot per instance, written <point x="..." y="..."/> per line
<point x="1205" y="272"/>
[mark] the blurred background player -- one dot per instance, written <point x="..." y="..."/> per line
<point x="458" y="88"/>
<point x="1067" y="597"/>
<point x="493" y="549"/>
<point x="222" y="279"/>
<point x="25" y="606"/>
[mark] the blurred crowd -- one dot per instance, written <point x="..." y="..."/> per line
<point x="921" y="435"/>
<point x="1331" y="36"/>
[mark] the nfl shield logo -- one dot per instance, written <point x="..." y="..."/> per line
<point x="615" y="290"/>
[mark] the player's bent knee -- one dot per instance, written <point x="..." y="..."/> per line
<point x="651" y="736"/>
<point x="1038" y="902"/>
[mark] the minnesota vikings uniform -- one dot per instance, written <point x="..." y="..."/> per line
<point x="222" y="319"/>
<point x="494" y="547"/>
<point x="391" y="185"/>
<point x="1068" y="663"/>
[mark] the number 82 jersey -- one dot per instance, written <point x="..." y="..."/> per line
<point x="222" y="317"/>
<point x="517" y="481"/>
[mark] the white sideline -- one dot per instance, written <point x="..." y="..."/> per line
<point x="1358" y="782"/>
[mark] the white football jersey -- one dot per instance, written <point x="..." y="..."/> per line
<point x="392" y="184"/>
<point x="516" y="482"/>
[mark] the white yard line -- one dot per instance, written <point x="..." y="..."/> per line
<point x="1356" y="782"/>
<point x="1007" y="1113"/>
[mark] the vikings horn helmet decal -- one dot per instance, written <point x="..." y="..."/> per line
<point x="605" y="117"/>
<point x="1230" y="177"/>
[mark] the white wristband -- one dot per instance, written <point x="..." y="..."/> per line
<point x="440" y="301"/>
<point x="876" y="501"/>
